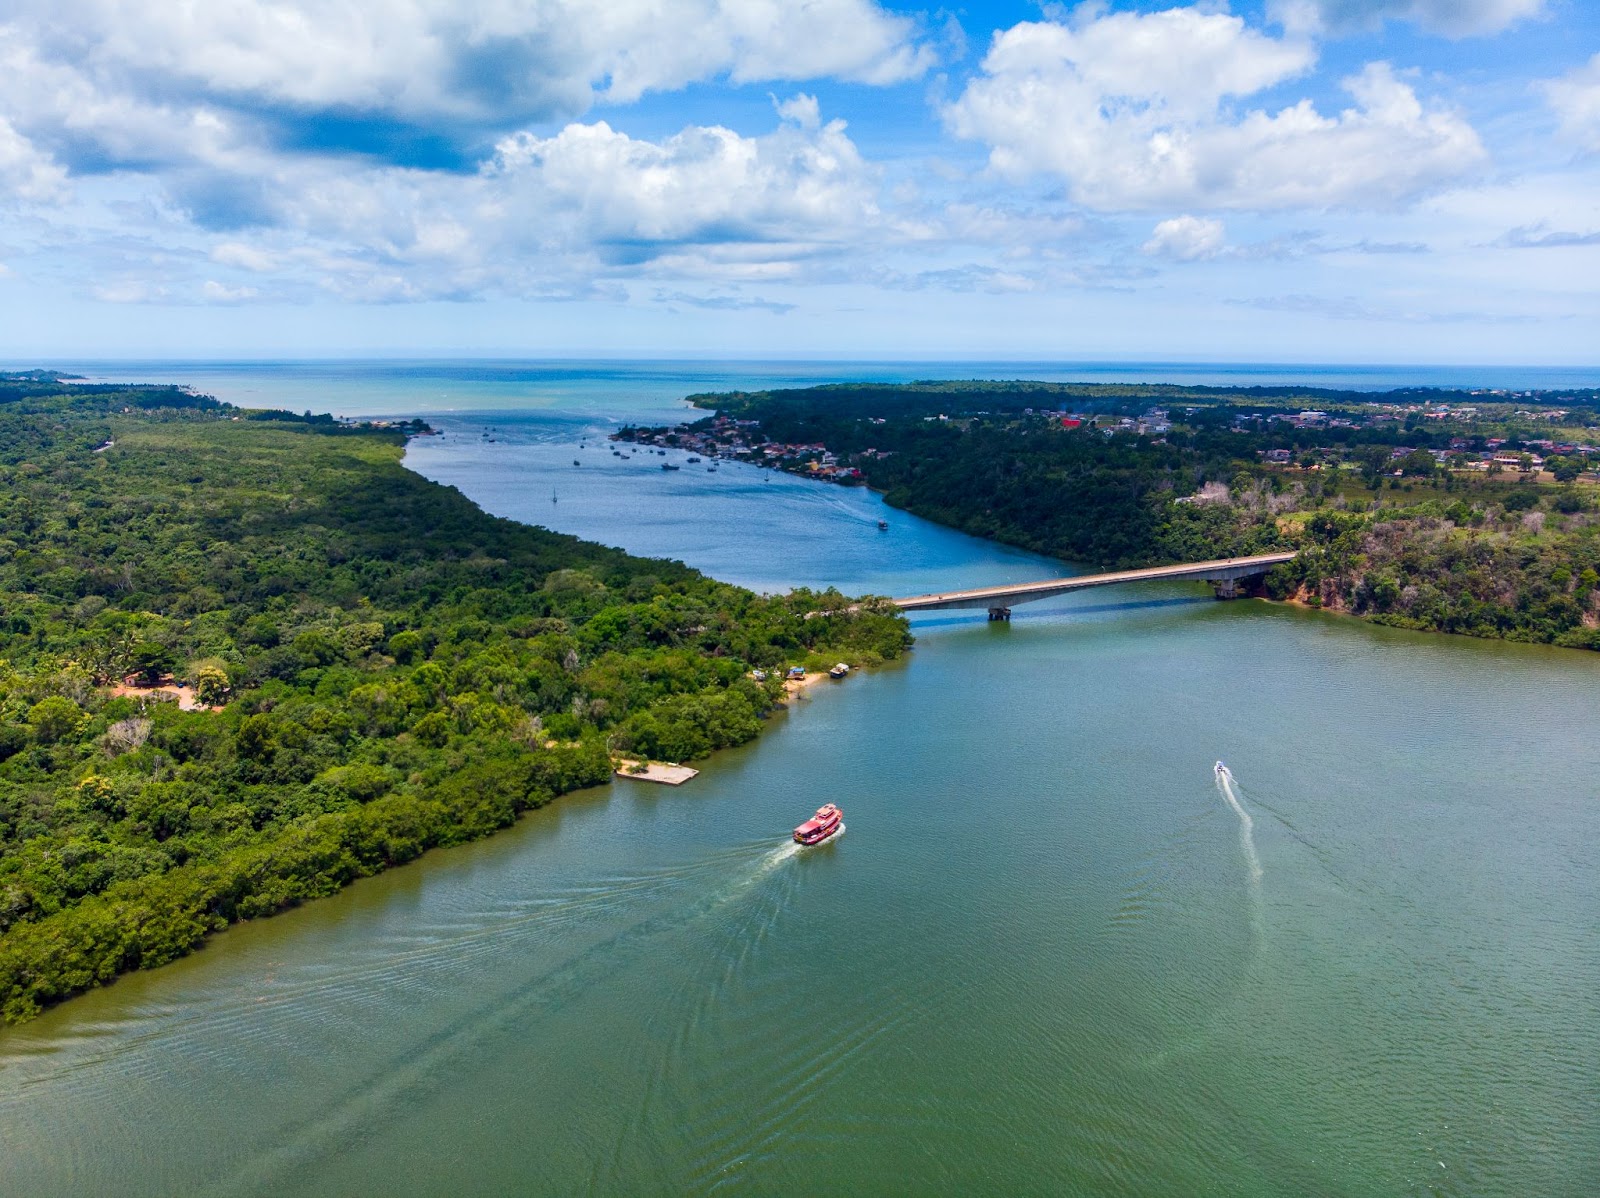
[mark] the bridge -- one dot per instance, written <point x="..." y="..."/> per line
<point x="1224" y="572"/>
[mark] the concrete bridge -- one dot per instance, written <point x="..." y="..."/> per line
<point x="1225" y="573"/>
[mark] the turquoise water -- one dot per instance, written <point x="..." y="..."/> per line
<point x="1053" y="953"/>
<point x="389" y="387"/>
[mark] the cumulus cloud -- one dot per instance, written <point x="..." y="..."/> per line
<point x="1575" y="98"/>
<point x="1452" y="18"/>
<point x="129" y="77"/>
<point x="558" y="215"/>
<point x="1187" y="239"/>
<point x="1137" y="112"/>
<point x="25" y="173"/>
<point x="703" y="184"/>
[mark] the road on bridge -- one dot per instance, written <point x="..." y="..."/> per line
<point x="1003" y="598"/>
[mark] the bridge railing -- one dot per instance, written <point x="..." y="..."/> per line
<point x="1002" y="598"/>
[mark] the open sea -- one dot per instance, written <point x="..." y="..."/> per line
<point x="1057" y="950"/>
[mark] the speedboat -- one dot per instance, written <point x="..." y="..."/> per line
<point x="828" y="820"/>
<point x="839" y="671"/>
<point x="1219" y="769"/>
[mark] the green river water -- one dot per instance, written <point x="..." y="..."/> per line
<point x="1053" y="952"/>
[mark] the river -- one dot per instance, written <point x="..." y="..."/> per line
<point x="1054" y="951"/>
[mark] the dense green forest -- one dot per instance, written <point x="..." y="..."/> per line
<point x="1400" y="540"/>
<point x="376" y="666"/>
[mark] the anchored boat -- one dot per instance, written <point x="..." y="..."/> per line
<point x="828" y="820"/>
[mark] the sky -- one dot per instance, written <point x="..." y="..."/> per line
<point x="1384" y="181"/>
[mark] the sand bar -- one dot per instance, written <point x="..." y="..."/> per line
<point x="656" y="771"/>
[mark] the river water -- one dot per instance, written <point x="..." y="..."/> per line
<point x="1054" y="952"/>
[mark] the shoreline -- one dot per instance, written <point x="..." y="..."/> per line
<point x="166" y="914"/>
<point x="794" y="688"/>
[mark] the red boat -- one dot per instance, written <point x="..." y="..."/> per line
<point x="828" y="820"/>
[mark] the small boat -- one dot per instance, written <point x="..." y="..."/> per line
<point x="883" y="526"/>
<point x="576" y="462"/>
<point x="692" y="460"/>
<point x="839" y="671"/>
<point x="828" y="820"/>
<point x="711" y="469"/>
<point x="670" y="466"/>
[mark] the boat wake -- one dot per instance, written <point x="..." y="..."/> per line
<point x="769" y="862"/>
<point x="1227" y="787"/>
<point x="1247" y="826"/>
<point x="1202" y="1033"/>
<point x="772" y="860"/>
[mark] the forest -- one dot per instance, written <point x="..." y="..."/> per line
<point x="370" y="667"/>
<point x="1404" y="540"/>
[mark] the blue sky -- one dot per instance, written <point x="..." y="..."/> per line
<point x="1279" y="180"/>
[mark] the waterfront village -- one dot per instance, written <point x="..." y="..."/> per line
<point x="1516" y="450"/>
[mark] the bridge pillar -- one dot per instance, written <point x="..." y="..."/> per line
<point x="1227" y="588"/>
<point x="1000" y="613"/>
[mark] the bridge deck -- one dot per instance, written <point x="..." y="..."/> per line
<point x="1026" y="592"/>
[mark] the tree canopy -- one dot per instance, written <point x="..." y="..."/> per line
<point x="377" y="666"/>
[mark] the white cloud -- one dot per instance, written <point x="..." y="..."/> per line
<point x="1453" y="18"/>
<point x="1187" y="239"/>
<point x="1181" y="61"/>
<point x="703" y="184"/>
<point x="1575" y="97"/>
<point x="219" y="293"/>
<point x="430" y="61"/>
<point x="1134" y="112"/>
<point x="245" y="257"/>
<point x="25" y="173"/>
<point x="802" y="109"/>
<point x="564" y="213"/>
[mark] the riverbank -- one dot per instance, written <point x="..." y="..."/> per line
<point x="1039" y="871"/>
<point x="1421" y="510"/>
<point x="1100" y="914"/>
<point x="404" y="671"/>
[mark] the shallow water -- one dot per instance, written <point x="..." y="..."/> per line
<point x="1050" y="955"/>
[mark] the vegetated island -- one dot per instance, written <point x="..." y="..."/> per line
<point x="1467" y="511"/>
<point x="373" y="667"/>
